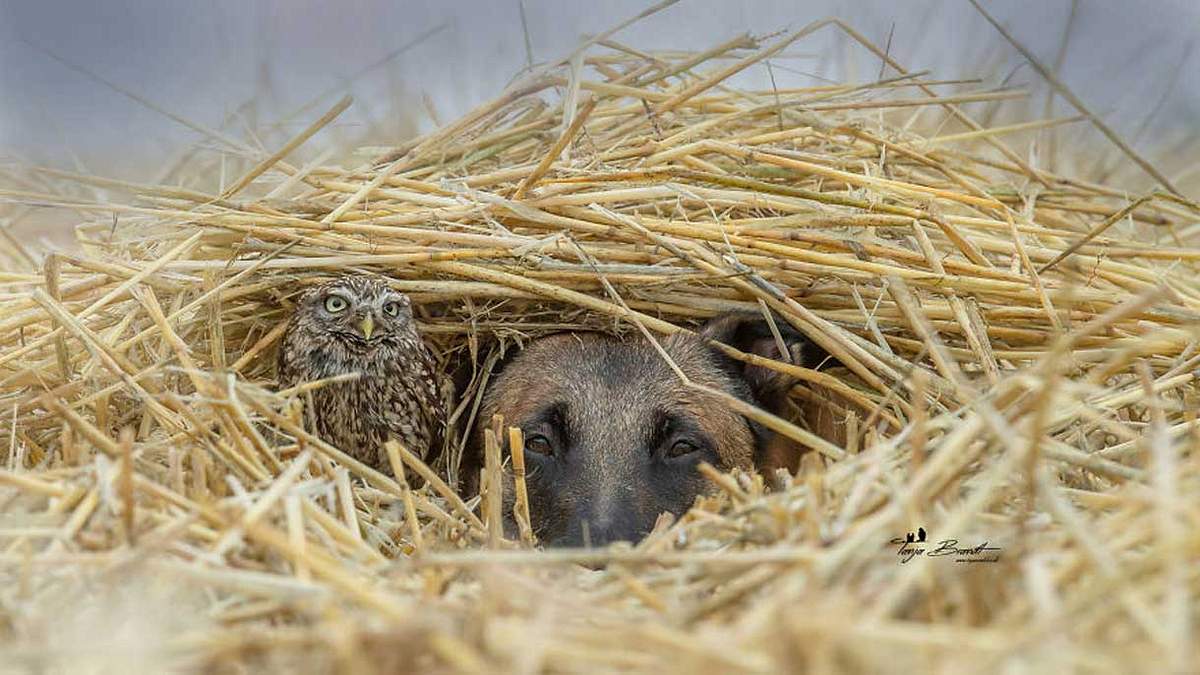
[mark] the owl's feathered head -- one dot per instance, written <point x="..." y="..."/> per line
<point x="360" y="310"/>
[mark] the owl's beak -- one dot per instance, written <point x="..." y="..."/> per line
<point x="367" y="325"/>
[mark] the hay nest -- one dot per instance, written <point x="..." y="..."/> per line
<point x="1018" y="357"/>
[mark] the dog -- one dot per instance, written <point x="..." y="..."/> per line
<point x="613" y="435"/>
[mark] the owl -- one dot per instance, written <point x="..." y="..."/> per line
<point x="359" y="324"/>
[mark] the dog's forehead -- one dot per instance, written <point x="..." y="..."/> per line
<point x="583" y="363"/>
<point x="611" y="356"/>
<point x="593" y="375"/>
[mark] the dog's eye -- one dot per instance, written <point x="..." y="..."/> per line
<point x="682" y="447"/>
<point x="539" y="444"/>
<point x="391" y="308"/>
<point x="335" y="304"/>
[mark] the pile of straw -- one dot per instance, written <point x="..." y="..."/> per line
<point x="1017" y="368"/>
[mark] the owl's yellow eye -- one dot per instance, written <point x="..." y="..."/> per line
<point x="391" y="308"/>
<point x="335" y="304"/>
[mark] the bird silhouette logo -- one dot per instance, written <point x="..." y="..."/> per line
<point x="917" y="538"/>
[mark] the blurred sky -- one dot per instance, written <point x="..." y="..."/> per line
<point x="204" y="58"/>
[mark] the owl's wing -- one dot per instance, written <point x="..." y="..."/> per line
<point x="440" y="394"/>
<point x="285" y="361"/>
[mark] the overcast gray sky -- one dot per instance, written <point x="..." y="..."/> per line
<point x="204" y="58"/>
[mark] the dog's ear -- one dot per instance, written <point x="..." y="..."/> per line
<point x="749" y="332"/>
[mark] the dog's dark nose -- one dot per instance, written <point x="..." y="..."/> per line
<point x="599" y="530"/>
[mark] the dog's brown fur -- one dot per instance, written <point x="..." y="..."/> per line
<point x="614" y="436"/>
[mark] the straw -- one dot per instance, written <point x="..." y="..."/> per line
<point x="1007" y="366"/>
